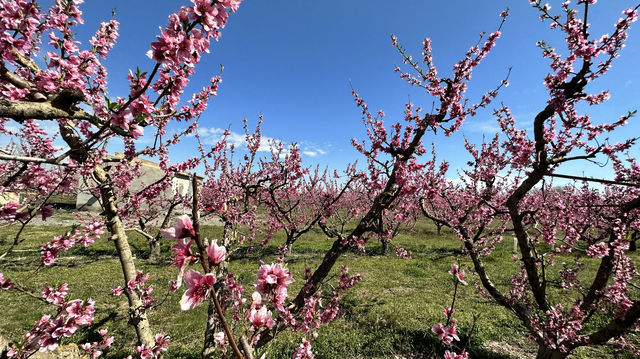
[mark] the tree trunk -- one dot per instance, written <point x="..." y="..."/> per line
<point x="439" y="227"/>
<point x="154" y="244"/>
<point x="154" y="251"/>
<point x="136" y="318"/>
<point x="385" y="247"/>
<point x="287" y="251"/>
<point x="288" y="244"/>
<point x="548" y="353"/>
<point x="209" y="346"/>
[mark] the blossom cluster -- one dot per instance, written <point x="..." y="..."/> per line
<point x="89" y="233"/>
<point x="51" y="329"/>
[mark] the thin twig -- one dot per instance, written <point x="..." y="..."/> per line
<point x="204" y="261"/>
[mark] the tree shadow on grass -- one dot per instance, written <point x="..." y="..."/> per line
<point x="91" y="333"/>
<point x="425" y="344"/>
<point x="258" y="252"/>
<point x="414" y="343"/>
<point x="103" y="251"/>
<point x="254" y="252"/>
<point x="442" y="253"/>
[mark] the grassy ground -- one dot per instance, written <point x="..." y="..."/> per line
<point x="390" y="313"/>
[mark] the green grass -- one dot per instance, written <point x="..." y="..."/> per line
<point x="389" y="313"/>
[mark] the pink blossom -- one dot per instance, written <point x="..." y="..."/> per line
<point x="217" y="254"/>
<point x="273" y="275"/>
<point x="453" y="355"/>
<point x="182" y="257"/>
<point x="256" y="300"/>
<point x="46" y="212"/>
<point x="5" y="283"/>
<point x="94" y="350"/>
<point x="457" y="273"/>
<point x="10" y="211"/>
<point x="182" y="229"/>
<point x="199" y="288"/>
<point x="446" y="334"/>
<point x="273" y="280"/>
<point x="303" y="351"/>
<point x="598" y="250"/>
<point x="116" y="292"/>
<point x="261" y="318"/>
<point x="402" y="253"/>
<point x="92" y="230"/>
<point x="53" y="296"/>
<point x="136" y="130"/>
<point x="448" y="311"/>
<point x="220" y="339"/>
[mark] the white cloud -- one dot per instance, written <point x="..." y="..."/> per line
<point x="312" y="151"/>
<point x="524" y="121"/>
<point x="213" y="135"/>
<point x="473" y="125"/>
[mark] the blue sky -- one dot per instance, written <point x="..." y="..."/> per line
<point x="293" y="61"/>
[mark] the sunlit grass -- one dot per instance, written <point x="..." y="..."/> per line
<point x="389" y="313"/>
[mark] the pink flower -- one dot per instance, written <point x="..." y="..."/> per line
<point x="257" y="300"/>
<point x="10" y="211"/>
<point x="448" y="311"/>
<point x="216" y="253"/>
<point x="55" y="296"/>
<point x="162" y="343"/>
<point x="271" y="276"/>
<point x="454" y="269"/>
<point x="453" y="355"/>
<point x="438" y="329"/>
<point x="94" y="350"/>
<point x="451" y="331"/>
<point x="598" y="250"/>
<point x="5" y="283"/>
<point x="136" y="130"/>
<point x="173" y="285"/>
<point x="458" y="273"/>
<point x="304" y="351"/>
<point x="272" y="281"/>
<point x="220" y="338"/>
<point x="261" y="318"/>
<point x="445" y="334"/>
<point x="46" y="212"/>
<point x="182" y="258"/>
<point x="460" y="277"/>
<point x="199" y="288"/>
<point x="182" y="229"/>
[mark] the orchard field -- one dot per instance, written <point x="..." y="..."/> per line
<point x="397" y="324"/>
<point x="488" y="206"/>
